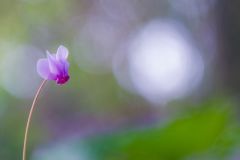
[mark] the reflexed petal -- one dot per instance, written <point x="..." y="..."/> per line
<point x="53" y="64"/>
<point x="43" y="68"/>
<point x="66" y="66"/>
<point x="62" y="53"/>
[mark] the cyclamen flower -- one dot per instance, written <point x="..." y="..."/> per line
<point x="55" y="66"/>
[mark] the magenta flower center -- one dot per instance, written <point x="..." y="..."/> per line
<point x="61" y="79"/>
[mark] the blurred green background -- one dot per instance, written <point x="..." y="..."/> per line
<point x="150" y="79"/>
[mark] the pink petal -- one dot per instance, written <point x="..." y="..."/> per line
<point x="66" y="66"/>
<point x="53" y="64"/>
<point x="43" y="68"/>
<point x="62" y="53"/>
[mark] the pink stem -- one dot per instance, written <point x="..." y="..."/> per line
<point x="29" y="120"/>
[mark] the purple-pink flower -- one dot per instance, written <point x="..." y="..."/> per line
<point x="55" y="66"/>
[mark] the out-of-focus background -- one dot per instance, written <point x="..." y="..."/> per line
<point x="150" y="79"/>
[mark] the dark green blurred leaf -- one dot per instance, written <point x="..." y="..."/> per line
<point x="190" y="134"/>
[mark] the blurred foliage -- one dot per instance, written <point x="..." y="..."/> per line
<point x="196" y="132"/>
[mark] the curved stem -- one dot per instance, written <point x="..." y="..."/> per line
<point x="29" y="120"/>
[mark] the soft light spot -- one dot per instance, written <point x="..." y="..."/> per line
<point x="164" y="65"/>
<point x="18" y="74"/>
